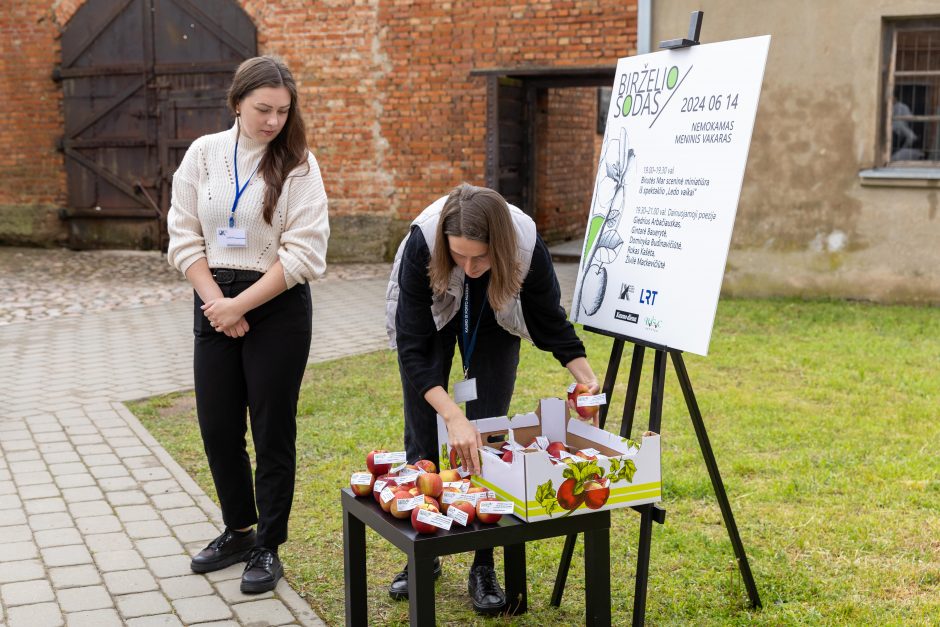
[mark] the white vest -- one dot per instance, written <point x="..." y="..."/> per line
<point x="445" y="306"/>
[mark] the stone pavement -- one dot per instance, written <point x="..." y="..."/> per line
<point x="98" y="521"/>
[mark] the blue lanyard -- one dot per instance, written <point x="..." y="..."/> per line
<point x="239" y="190"/>
<point x="469" y="346"/>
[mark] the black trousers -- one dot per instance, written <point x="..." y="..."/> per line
<point x="259" y="373"/>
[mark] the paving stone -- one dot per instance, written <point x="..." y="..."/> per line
<point x="151" y="474"/>
<point x="143" y="462"/>
<point x="18" y="445"/>
<point x="129" y="452"/>
<point x="231" y="572"/>
<point x="95" y="618"/>
<point x="196" y="532"/>
<point x="108" y="542"/>
<point x="45" y="506"/>
<point x="87" y="439"/>
<point x="98" y="524"/>
<point x="17" y="533"/>
<point x="41" y="491"/>
<point x="55" y="520"/>
<point x="177" y="499"/>
<point x="107" y="459"/>
<point x="117" y="484"/>
<point x="129" y="581"/>
<point x="265" y="612"/>
<point x="75" y="481"/>
<point x="39" y="615"/>
<point x="159" y="547"/>
<point x="183" y="515"/>
<point x="85" y="598"/>
<point x="134" y="513"/>
<point x="16" y="551"/>
<point x="70" y="555"/>
<point x="163" y="620"/>
<point x="26" y="592"/>
<point x="10" y="501"/>
<point x="85" y="509"/>
<point x="147" y="529"/>
<point x="109" y="471"/>
<point x="7" y="487"/>
<point x="143" y="604"/>
<point x="164" y="486"/>
<point x="32" y="478"/>
<point x="10" y="517"/>
<point x="70" y="468"/>
<point x="128" y="497"/>
<point x="170" y="565"/>
<point x="72" y="576"/>
<point x="77" y="495"/>
<point x="60" y="459"/>
<point x="230" y="590"/>
<point x="20" y="571"/>
<point x="186" y="586"/>
<point x="127" y="559"/>
<point x="201" y="609"/>
<point x="27" y="466"/>
<point x="92" y="449"/>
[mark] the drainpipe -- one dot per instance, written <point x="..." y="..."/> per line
<point x="644" y="26"/>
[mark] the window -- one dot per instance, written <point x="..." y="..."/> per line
<point x="603" y="104"/>
<point x="912" y="93"/>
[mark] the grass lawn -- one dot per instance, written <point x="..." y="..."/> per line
<point x="824" y="420"/>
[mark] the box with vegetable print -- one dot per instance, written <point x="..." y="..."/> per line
<point x="550" y="465"/>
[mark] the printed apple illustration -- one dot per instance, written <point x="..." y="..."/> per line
<point x="450" y="476"/>
<point x="468" y="508"/>
<point x="426" y="465"/>
<point x="485" y="517"/>
<point x="566" y="497"/>
<point x="387" y="477"/>
<point x="455" y="461"/>
<point x="362" y="489"/>
<point x="430" y="483"/>
<point x="581" y="389"/>
<point x="393" y="509"/>
<point x="507" y="457"/>
<point x="596" y="493"/>
<point x="376" y="469"/>
<point x="555" y="448"/>
<point x="423" y="527"/>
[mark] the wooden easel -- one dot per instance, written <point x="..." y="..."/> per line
<point x="650" y="513"/>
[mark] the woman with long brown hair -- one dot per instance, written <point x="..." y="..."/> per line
<point x="248" y="227"/>
<point x="472" y="272"/>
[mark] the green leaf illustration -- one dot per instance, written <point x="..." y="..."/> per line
<point x="593" y="228"/>
<point x="545" y="496"/>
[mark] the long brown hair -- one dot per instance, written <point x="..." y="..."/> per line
<point x="482" y="215"/>
<point x="289" y="149"/>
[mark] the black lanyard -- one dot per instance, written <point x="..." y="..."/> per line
<point x="468" y="346"/>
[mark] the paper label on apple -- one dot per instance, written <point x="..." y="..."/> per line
<point x="496" y="507"/>
<point x="456" y="484"/>
<point x="397" y="468"/>
<point x="564" y="454"/>
<point x="491" y="494"/>
<point x="474" y="497"/>
<point x="458" y="514"/>
<point x="410" y="473"/>
<point x="586" y="400"/>
<point x="437" y="520"/>
<point x="360" y="478"/>
<point x="591" y="451"/>
<point x="379" y="486"/>
<point x="386" y="495"/>
<point x="398" y="457"/>
<point x="542" y="442"/>
<point x="405" y="505"/>
<point x="572" y="387"/>
<point x="450" y="497"/>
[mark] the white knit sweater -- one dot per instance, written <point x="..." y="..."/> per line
<point x="201" y="202"/>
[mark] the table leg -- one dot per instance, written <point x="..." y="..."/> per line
<point x="421" y="591"/>
<point x="354" y="567"/>
<point x="597" y="577"/>
<point x="514" y="571"/>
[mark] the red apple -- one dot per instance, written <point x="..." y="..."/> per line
<point x="430" y="483"/>
<point x="423" y="527"/>
<point x="450" y="476"/>
<point x="389" y="479"/>
<point x="487" y="517"/>
<point x="444" y="493"/>
<point x="362" y="489"/>
<point x="507" y="457"/>
<point x="581" y="389"/>
<point x="468" y="508"/>
<point x="426" y="465"/>
<point x="555" y="448"/>
<point x="566" y="497"/>
<point x="393" y="509"/>
<point x="377" y="469"/>
<point x="387" y="506"/>
<point x="596" y="493"/>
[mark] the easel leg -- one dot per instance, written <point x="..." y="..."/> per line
<point x="715" y="476"/>
<point x="613" y="365"/>
<point x="633" y="390"/>
<point x="642" y="565"/>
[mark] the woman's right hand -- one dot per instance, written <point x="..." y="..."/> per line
<point x="465" y="439"/>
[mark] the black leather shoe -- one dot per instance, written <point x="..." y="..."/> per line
<point x="229" y="548"/>
<point x="398" y="589"/>
<point x="487" y="596"/>
<point x="262" y="571"/>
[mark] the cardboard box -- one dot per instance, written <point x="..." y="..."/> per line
<point x="540" y="489"/>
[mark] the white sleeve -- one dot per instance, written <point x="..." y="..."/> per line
<point x="303" y="243"/>
<point x="187" y="244"/>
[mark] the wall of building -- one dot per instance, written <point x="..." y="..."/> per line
<point x="806" y="225"/>
<point x="394" y="116"/>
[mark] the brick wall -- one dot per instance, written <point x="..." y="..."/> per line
<point x="394" y="116"/>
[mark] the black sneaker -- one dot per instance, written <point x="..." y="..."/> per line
<point x="229" y="548"/>
<point x="487" y="596"/>
<point x="398" y="589"/>
<point x="262" y="571"/>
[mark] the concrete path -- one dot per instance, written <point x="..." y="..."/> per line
<point x="98" y="522"/>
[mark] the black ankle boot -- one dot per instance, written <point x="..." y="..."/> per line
<point x="398" y="589"/>
<point x="487" y="596"/>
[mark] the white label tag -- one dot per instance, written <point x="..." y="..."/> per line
<point x="465" y="390"/>
<point x="379" y="486"/>
<point x="456" y="484"/>
<point x="405" y="505"/>
<point x="361" y="478"/>
<point x="397" y="468"/>
<point x="450" y="497"/>
<point x="386" y="495"/>
<point x="491" y="494"/>
<point x="399" y="480"/>
<point x="592" y="401"/>
<point x="564" y="454"/>
<point x="474" y="497"/>
<point x="231" y="237"/>
<point x="591" y="451"/>
<point x="459" y="515"/>
<point x="390" y="458"/>
<point x="437" y="520"/>
<point x="411" y="472"/>
<point x="541" y="442"/>
<point x="572" y="387"/>
<point x="496" y="507"/>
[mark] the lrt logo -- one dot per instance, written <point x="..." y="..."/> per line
<point x="652" y="323"/>
<point x="648" y="297"/>
<point x="625" y="291"/>
<point x="626" y="316"/>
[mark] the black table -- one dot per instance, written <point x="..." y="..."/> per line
<point x="510" y="533"/>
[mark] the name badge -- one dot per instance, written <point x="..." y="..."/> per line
<point x="465" y="390"/>
<point x="231" y="237"/>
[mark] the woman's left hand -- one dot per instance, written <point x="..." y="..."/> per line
<point x="223" y="313"/>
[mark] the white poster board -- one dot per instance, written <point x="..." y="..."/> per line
<point x="666" y="193"/>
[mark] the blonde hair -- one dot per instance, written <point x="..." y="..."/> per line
<point x="482" y="215"/>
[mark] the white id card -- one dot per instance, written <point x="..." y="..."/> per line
<point x="231" y="237"/>
<point x="465" y="390"/>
